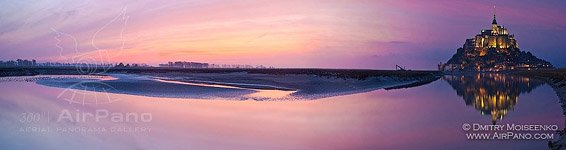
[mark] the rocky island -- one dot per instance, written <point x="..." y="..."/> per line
<point x="492" y="50"/>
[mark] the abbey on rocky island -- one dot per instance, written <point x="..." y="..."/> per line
<point x="493" y="50"/>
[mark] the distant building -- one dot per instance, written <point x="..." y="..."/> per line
<point x="183" y="64"/>
<point x="34" y="63"/>
<point x="498" y="37"/>
<point x="493" y="49"/>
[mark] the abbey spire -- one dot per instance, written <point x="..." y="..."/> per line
<point x="494" y="22"/>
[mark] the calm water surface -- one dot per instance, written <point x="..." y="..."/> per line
<point x="425" y="117"/>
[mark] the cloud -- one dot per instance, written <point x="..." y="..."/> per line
<point x="291" y="33"/>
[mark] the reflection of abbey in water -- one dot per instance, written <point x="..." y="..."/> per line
<point x="491" y="94"/>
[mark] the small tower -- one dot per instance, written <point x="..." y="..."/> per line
<point x="494" y="28"/>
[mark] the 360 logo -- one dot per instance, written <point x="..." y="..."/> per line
<point x="90" y="61"/>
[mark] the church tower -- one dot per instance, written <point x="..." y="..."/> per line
<point x="494" y="28"/>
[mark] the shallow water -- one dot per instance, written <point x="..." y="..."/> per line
<point x="425" y="117"/>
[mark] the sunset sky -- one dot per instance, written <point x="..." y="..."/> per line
<point x="373" y="34"/>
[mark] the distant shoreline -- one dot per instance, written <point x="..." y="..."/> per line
<point x="338" y="73"/>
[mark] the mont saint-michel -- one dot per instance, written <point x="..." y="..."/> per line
<point x="282" y="74"/>
<point x="493" y="50"/>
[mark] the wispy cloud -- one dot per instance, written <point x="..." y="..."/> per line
<point x="291" y="33"/>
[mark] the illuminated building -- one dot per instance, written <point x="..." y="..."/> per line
<point x="493" y="50"/>
<point x="498" y="37"/>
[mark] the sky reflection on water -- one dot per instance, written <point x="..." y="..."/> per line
<point x="424" y="117"/>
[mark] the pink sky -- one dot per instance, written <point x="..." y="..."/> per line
<point x="291" y="33"/>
